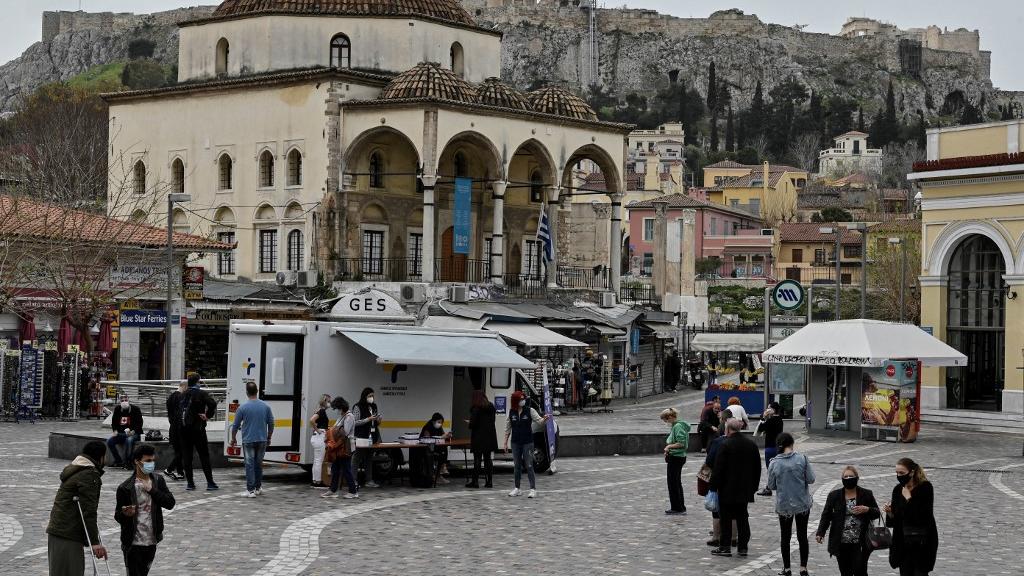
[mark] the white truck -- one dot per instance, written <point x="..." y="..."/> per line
<point x="414" y="371"/>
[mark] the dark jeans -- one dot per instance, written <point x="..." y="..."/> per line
<point x="769" y="453"/>
<point x="129" y="442"/>
<point x="138" y="559"/>
<point x="522" y="456"/>
<point x="488" y="466"/>
<point x="343" y="466"/>
<point x="174" y="437"/>
<point x="194" y="441"/>
<point x="730" y="511"/>
<point x="786" y="524"/>
<point x="677" y="502"/>
<point x="853" y="560"/>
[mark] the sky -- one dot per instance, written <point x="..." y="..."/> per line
<point x="1000" y="21"/>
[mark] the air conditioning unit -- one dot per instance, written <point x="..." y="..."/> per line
<point x="767" y="232"/>
<point x="458" y="294"/>
<point x="607" y="299"/>
<point x="307" y="278"/>
<point x="286" y="278"/>
<point x="414" y="293"/>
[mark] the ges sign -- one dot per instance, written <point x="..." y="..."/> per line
<point x="368" y="304"/>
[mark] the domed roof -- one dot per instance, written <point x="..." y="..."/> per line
<point x="447" y="10"/>
<point x="494" y="92"/>
<point x="560" y="102"/>
<point x="429" y="80"/>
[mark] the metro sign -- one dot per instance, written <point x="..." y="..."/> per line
<point x="788" y="295"/>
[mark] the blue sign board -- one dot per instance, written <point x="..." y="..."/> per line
<point x="500" y="404"/>
<point x="634" y="340"/>
<point x="143" y="318"/>
<point x="929" y="330"/>
<point x="31" y="385"/>
<point x="551" y="421"/>
<point x="463" y="215"/>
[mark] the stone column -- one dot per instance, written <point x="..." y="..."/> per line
<point x="552" y="211"/>
<point x="934" y="306"/>
<point x="498" y="233"/>
<point x="429" y="234"/>
<point x="1013" y="346"/>
<point x="659" y="271"/>
<point x="688" y="259"/>
<point x="615" y="243"/>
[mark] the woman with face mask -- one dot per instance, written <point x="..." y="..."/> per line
<point x="519" y="427"/>
<point x="434" y="428"/>
<point x="367" y="431"/>
<point x="319" y="423"/>
<point x="846" y="518"/>
<point x="339" y="451"/>
<point x="915" y="537"/>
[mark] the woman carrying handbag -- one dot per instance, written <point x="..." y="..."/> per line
<point x="339" y="450"/>
<point x="847" y="519"/>
<point x="915" y="537"/>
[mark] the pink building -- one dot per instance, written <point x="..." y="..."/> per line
<point x="734" y="237"/>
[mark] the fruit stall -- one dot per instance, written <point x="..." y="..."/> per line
<point x="751" y="393"/>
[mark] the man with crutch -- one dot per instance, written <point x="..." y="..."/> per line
<point x="73" y="517"/>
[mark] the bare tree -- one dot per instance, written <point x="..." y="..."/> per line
<point x="898" y="161"/>
<point x="759" y="144"/>
<point x="803" y="151"/>
<point x="885" y="276"/>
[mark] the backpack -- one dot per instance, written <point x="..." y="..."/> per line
<point x="186" y="413"/>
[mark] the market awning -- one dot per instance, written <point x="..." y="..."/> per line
<point x="563" y="324"/>
<point x="604" y="330"/>
<point x="435" y="347"/>
<point x="532" y="334"/>
<point x="662" y="330"/>
<point x="453" y="322"/>
<point x="726" y="342"/>
<point x="869" y="343"/>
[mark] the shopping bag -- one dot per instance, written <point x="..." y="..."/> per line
<point x="711" y="501"/>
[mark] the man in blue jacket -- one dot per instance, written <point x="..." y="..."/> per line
<point x="257" y="423"/>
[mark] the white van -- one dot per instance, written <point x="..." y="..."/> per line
<point x="414" y="371"/>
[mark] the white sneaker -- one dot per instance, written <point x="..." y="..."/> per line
<point x="329" y="494"/>
<point x="515" y="492"/>
<point x="371" y="485"/>
<point x="531" y="494"/>
<point x="259" y="491"/>
<point x="350" y="496"/>
<point x="250" y="494"/>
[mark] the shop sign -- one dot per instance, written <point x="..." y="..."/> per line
<point x="138" y="276"/>
<point x="370" y="304"/>
<point x="143" y="318"/>
<point x="192" y="282"/>
<point x="788" y="295"/>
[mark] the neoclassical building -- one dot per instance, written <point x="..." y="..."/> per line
<point x="330" y="135"/>
<point x="972" y="268"/>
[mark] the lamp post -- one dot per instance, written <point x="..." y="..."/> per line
<point x="862" y="227"/>
<point x="171" y="200"/>
<point x="839" y="234"/>
<point x="903" y="270"/>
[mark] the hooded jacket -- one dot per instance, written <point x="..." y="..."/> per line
<point x="126" y="496"/>
<point x="81" y="478"/>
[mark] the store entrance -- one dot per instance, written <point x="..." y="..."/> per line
<point x="151" y="355"/>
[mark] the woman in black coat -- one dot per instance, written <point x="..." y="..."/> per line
<point x="846" y="518"/>
<point x="483" y="438"/>
<point x="915" y="537"/>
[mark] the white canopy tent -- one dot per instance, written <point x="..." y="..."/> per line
<point x="724" y="342"/>
<point x="862" y="343"/>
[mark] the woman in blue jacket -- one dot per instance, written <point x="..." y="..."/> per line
<point x="790" y="476"/>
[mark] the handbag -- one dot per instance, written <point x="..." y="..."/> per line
<point x="337" y="445"/>
<point x="711" y="502"/>
<point x="703" y="480"/>
<point x="879" y="537"/>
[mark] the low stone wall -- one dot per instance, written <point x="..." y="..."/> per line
<point x="68" y="445"/>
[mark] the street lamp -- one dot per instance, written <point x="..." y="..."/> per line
<point x="903" y="270"/>
<point x="838" y="232"/>
<point x="171" y="200"/>
<point x="862" y="227"/>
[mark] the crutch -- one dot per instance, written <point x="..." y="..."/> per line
<point x="92" y="554"/>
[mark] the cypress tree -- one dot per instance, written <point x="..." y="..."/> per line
<point x="712" y="88"/>
<point x="714" y="130"/>
<point x="730" y="138"/>
<point x="891" y="126"/>
<point x="757" y="112"/>
<point x="860" y="120"/>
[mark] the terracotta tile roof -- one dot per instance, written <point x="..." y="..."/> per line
<point x="906" y="225"/>
<point x="449" y="11"/>
<point x="561" y="102"/>
<point x="429" y="80"/>
<point x="809" y="232"/>
<point x="594" y="182"/>
<point x="966" y="162"/>
<point x="730" y="164"/>
<point x="858" y="178"/>
<point x="852" y="133"/>
<point x="494" y="92"/>
<point x="818" y="201"/>
<point x="25" y="219"/>
<point x="884" y="216"/>
<point x="775" y="174"/>
<point x="895" y="194"/>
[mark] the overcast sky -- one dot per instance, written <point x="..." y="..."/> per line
<point x="1000" y="21"/>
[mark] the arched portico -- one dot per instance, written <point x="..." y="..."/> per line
<point x="613" y="185"/>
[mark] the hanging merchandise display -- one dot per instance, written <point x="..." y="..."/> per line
<point x="607" y="393"/>
<point x="69" y="385"/>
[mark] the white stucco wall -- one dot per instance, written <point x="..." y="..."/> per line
<point x="269" y="43"/>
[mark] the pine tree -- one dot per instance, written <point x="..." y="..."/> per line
<point x="712" y="88"/>
<point x="757" y="113"/>
<point x="730" y="139"/>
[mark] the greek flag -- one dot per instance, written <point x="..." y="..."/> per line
<point x="544" y="236"/>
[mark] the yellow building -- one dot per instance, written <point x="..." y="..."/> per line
<point x="804" y="253"/>
<point x="767" y="191"/>
<point x="972" y="265"/>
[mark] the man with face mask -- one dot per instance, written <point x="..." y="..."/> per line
<point x="176" y="471"/>
<point x="141" y="500"/>
<point x="126" y="423"/>
<point x="73" y="516"/>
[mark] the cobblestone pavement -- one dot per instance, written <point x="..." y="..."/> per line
<point x="595" y="516"/>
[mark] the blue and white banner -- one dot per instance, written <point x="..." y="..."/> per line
<point x="463" y="215"/>
<point x="544" y="236"/>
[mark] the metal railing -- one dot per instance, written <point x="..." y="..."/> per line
<point x="732" y="269"/>
<point x="380" y="269"/>
<point x="582" y="277"/>
<point x="462" y="270"/>
<point x="638" y="294"/>
<point x="823" y="273"/>
<point x="525" y="285"/>
<point x="152" y="394"/>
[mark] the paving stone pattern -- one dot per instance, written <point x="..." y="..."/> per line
<point x="595" y="516"/>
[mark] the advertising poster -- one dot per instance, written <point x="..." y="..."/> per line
<point x="880" y="396"/>
<point x="463" y="209"/>
<point x="550" y="424"/>
<point x="909" y="417"/>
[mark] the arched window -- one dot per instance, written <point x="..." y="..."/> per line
<point x="139" y="178"/>
<point x="341" y="52"/>
<point x="460" y="165"/>
<point x="458" y="61"/>
<point x="295" y="168"/>
<point x="266" y="169"/>
<point x="178" y="176"/>
<point x="295" y="247"/>
<point x="376" y="170"/>
<point x="224" y="166"/>
<point x="536" y="187"/>
<point x="223" y="53"/>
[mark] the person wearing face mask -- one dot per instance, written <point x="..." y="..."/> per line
<point x="141" y="500"/>
<point x="339" y="451"/>
<point x="676" y="444"/>
<point x="318" y="441"/>
<point x="176" y="471"/>
<point x="910" y="513"/>
<point x="73" y="516"/>
<point x="367" y="424"/>
<point x="846" y="518"/>
<point x="126" y="422"/>
<point x="519" y="427"/>
<point x="434" y="428"/>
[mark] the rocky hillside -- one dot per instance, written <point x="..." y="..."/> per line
<point x="81" y="41"/>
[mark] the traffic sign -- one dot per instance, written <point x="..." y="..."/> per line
<point x="788" y="295"/>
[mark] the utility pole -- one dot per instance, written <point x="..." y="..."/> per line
<point x="839" y="234"/>
<point x="903" y="272"/>
<point x="171" y="199"/>
<point x="862" y="227"/>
